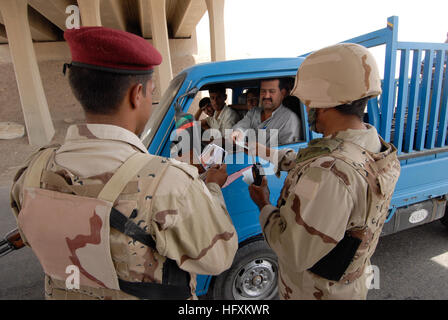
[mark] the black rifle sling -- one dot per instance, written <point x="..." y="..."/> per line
<point x="120" y="222"/>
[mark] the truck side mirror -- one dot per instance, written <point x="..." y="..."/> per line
<point x="189" y="93"/>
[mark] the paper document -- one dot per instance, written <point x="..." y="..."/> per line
<point x="212" y="155"/>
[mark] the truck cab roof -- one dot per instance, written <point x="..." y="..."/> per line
<point x="245" y="69"/>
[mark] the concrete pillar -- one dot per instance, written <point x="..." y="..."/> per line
<point x="32" y="96"/>
<point x="113" y="15"/>
<point x="217" y="35"/>
<point x="90" y="12"/>
<point x="160" y="41"/>
<point x="53" y="10"/>
<point x="186" y="16"/>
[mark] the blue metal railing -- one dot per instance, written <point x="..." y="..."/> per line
<point x="412" y="112"/>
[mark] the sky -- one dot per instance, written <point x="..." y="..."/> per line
<point x="282" y="28"/>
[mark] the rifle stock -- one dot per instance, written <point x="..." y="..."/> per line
<point x="12" y="241"/>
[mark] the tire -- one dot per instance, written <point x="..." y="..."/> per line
<point x="252" y="276"/>
<point x="444" y="219"/>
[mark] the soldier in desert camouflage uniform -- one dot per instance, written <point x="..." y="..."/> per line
<point x="166" y="224"/>
<point x="335" y="198"/>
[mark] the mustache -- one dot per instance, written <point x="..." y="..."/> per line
<point x="267" y="99"/>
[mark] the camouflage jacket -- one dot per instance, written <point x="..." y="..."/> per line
<point x="338" y="185"/>
<point x="187" y="219"/>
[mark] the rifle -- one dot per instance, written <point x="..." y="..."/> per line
<point x="12" y="241"/>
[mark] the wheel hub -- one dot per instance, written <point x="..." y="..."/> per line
<point x="255" y="280"/>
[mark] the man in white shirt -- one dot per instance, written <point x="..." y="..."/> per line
<point x="272" y="118"/>
<point x="224" y="116"/>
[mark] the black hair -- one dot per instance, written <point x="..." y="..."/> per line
<point x="204" y="102"/>
<point x="217" y="89"/>
<point x="283" y="83"/>
<point x="254" y="91"/>
<point x="287" y="83"/>
<point x="293" y="104"/>
<point x="356" y="108"/>
<point x="102" y="92"/>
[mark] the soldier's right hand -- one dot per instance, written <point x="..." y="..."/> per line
<point x="260" y="194"/>
<point x="217" y="174"/>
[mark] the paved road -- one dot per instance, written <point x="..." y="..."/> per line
<point x="413" y="264"/>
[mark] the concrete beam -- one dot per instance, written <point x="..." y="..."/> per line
<point x="132" y="15"/>
<point x="52" y="51"/>
<point x="90" y="12"/>
<point x="41" y="29"/>
<point x="32" y="96"/>
<point x="3" y="38"/>
<point x="217" y="35"/>
<point x="53" y="10"/>
<point x="45" y="51"/>
<point x="113" y="14"/>
<point x="160" y="40"/>
<point x="186" y="16"/>
<point x="145" y="21"/>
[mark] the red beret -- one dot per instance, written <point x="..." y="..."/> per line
<point x="111" y="50"/>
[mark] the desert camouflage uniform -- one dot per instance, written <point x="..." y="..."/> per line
<point x="187" y="219"/>
<point x="338" y="184"/>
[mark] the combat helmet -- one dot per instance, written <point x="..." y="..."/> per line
<point x="337" y="75"/>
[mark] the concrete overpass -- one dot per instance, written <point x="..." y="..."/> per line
<point x="32" y="31"/>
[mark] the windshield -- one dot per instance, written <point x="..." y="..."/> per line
<point x="160" y="110"/>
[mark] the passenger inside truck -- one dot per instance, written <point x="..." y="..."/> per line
<point x="271" y="122"/>
<point x="245" y="95"/>
<point x="246" y="101"/>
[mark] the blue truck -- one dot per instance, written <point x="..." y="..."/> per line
<point x="411" y="113"/>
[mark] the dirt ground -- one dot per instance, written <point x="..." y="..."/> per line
<point x="64" y="110"/>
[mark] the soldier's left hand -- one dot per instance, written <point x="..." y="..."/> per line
<point x="260" y="194"/>
<point x="217" y="174"/>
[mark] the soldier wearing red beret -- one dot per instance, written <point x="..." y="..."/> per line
<point x="106" y="219"/>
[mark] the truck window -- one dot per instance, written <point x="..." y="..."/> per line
<point x="237" y="89"/>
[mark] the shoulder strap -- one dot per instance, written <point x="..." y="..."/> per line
<point x="179" y="289"/>
<point x="377" y="161"/>
<point x="115" y="186"/>
<point x="317" y="148"/>
<point x="34" y="172"/>
<point x="123" y="175"/>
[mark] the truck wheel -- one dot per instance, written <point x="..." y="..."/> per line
<point x="252" y="276"/>
<point x="444" y="220"/>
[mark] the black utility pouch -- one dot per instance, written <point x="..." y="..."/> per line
<point x="334" y="264"/>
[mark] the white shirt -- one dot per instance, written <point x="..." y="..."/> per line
<point x="225" y="120"/>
